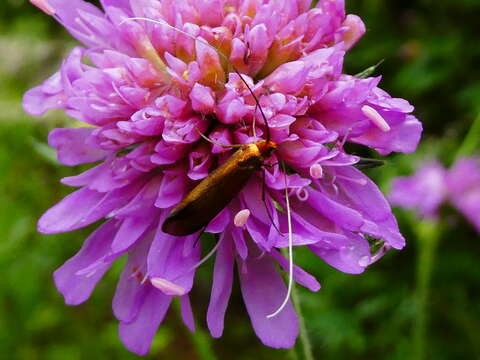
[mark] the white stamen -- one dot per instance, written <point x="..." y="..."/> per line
<point x="44" y="6"/>
<point x="334" y="186"/>
<point x="316" y="171"/>
<point x="302" y="194"/>
<point x="262" y="254"/>
<point x="375" y="117"/>
<point x="345" y="138"/>
<point x="290" y="256"/>
<point x="167" y="287"/>
<point x="241" y="218"/>
<point x="208" y="256"/>
<point x="254" y="124"/>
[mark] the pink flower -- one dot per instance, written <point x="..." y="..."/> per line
<point x="432" y="186"/>
<point x="424" y="191"/>
<point x="152" y="76"/>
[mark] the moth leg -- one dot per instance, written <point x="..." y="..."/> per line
<point x="266" y="206"/>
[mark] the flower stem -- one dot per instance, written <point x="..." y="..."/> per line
<point x="304" y="338"/>
<point x="472" y="140"/>
<point x="427" y="238"/>
<point x="200" y="341"/>
<point x="292" y="354"/>
<point x="202" y="344"/>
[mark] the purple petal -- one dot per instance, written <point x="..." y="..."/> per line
<point x="355" y="30"/>
<point x="210" y="11"/>
<point x="231" y="111"/>
<point x="168" y="261"/>
<point x="131" y="289"/>
<point x="69" y="213"/>
<point x="203" y="99"/>
<point x="131" y="230"/>
<point x="77" y="288"/>
<point x="463" y="181"/>
<point x="289" y="78"/>
<point x="259" y="43"/>
<point x="82" y="208"/>
<point x="402" y="137"/>
<point x="219" y="222"/>
<point x="72" y="147"/>
<point x="221" y="287"/>
<point x="210" y="66"/>
<point x="350" y="255"/>
<point x="239" y="240"/>
<point x="138" y="334"/>
<point x="338" y="213"/>
<point x="299" y="275"/>
<point x="263" y="291"/>
<point x="172" y="190"/>
<point x="425" y="191"/>
<point x="365" y="196"/>
<point x="47" y="96"/>
<point x="123" y="4"/>
<point x="187" y="313"/>
<point x="84" y="21"/>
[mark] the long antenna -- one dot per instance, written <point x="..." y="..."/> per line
<point x="159" y="22"/>
<point x="290" y="251"/>
<point x="208" y="256"/>
<point x="264" y="200"/>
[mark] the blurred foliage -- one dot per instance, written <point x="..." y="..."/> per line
<point x="431" y="54"/>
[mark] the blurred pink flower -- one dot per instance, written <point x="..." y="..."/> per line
<point x="432" y="186"/>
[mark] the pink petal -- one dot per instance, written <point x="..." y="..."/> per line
<point x="187" y="313"/>
<point x="78" y="288"/>
<point x="82" y="208"/>
<point x="221" y="287"/>
<point x="72" y="147"/>
<point x="131" y="289"/>
<point x="299" y="275"/>
<point x="355" y="30"/>
<point x="263" y="291"/>
<point x="44" y="6"/>
<point x="138" y="334"/>
<point x="203" y="99"/>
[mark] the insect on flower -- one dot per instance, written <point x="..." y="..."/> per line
<point x="212" y="194"/>
<point x="153" y="80"/>
<point x="218" y="189"/>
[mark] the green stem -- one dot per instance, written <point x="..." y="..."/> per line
<point x="472" y="140"/>
<point x="202" y="343"/>
<point x="292" y="354"/>
<point x="304" y="339"/>
<point x="427" y="239"/>
<point x="200" y="340"/>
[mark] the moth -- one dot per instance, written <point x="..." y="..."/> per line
<point x="216" y="191"/>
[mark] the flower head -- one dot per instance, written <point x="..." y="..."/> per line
<point x="432" y="186"/>
<point x="151" y="81"/>
<point x="424" y="191"/>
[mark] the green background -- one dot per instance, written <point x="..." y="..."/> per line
<point x="431" y="51"/>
